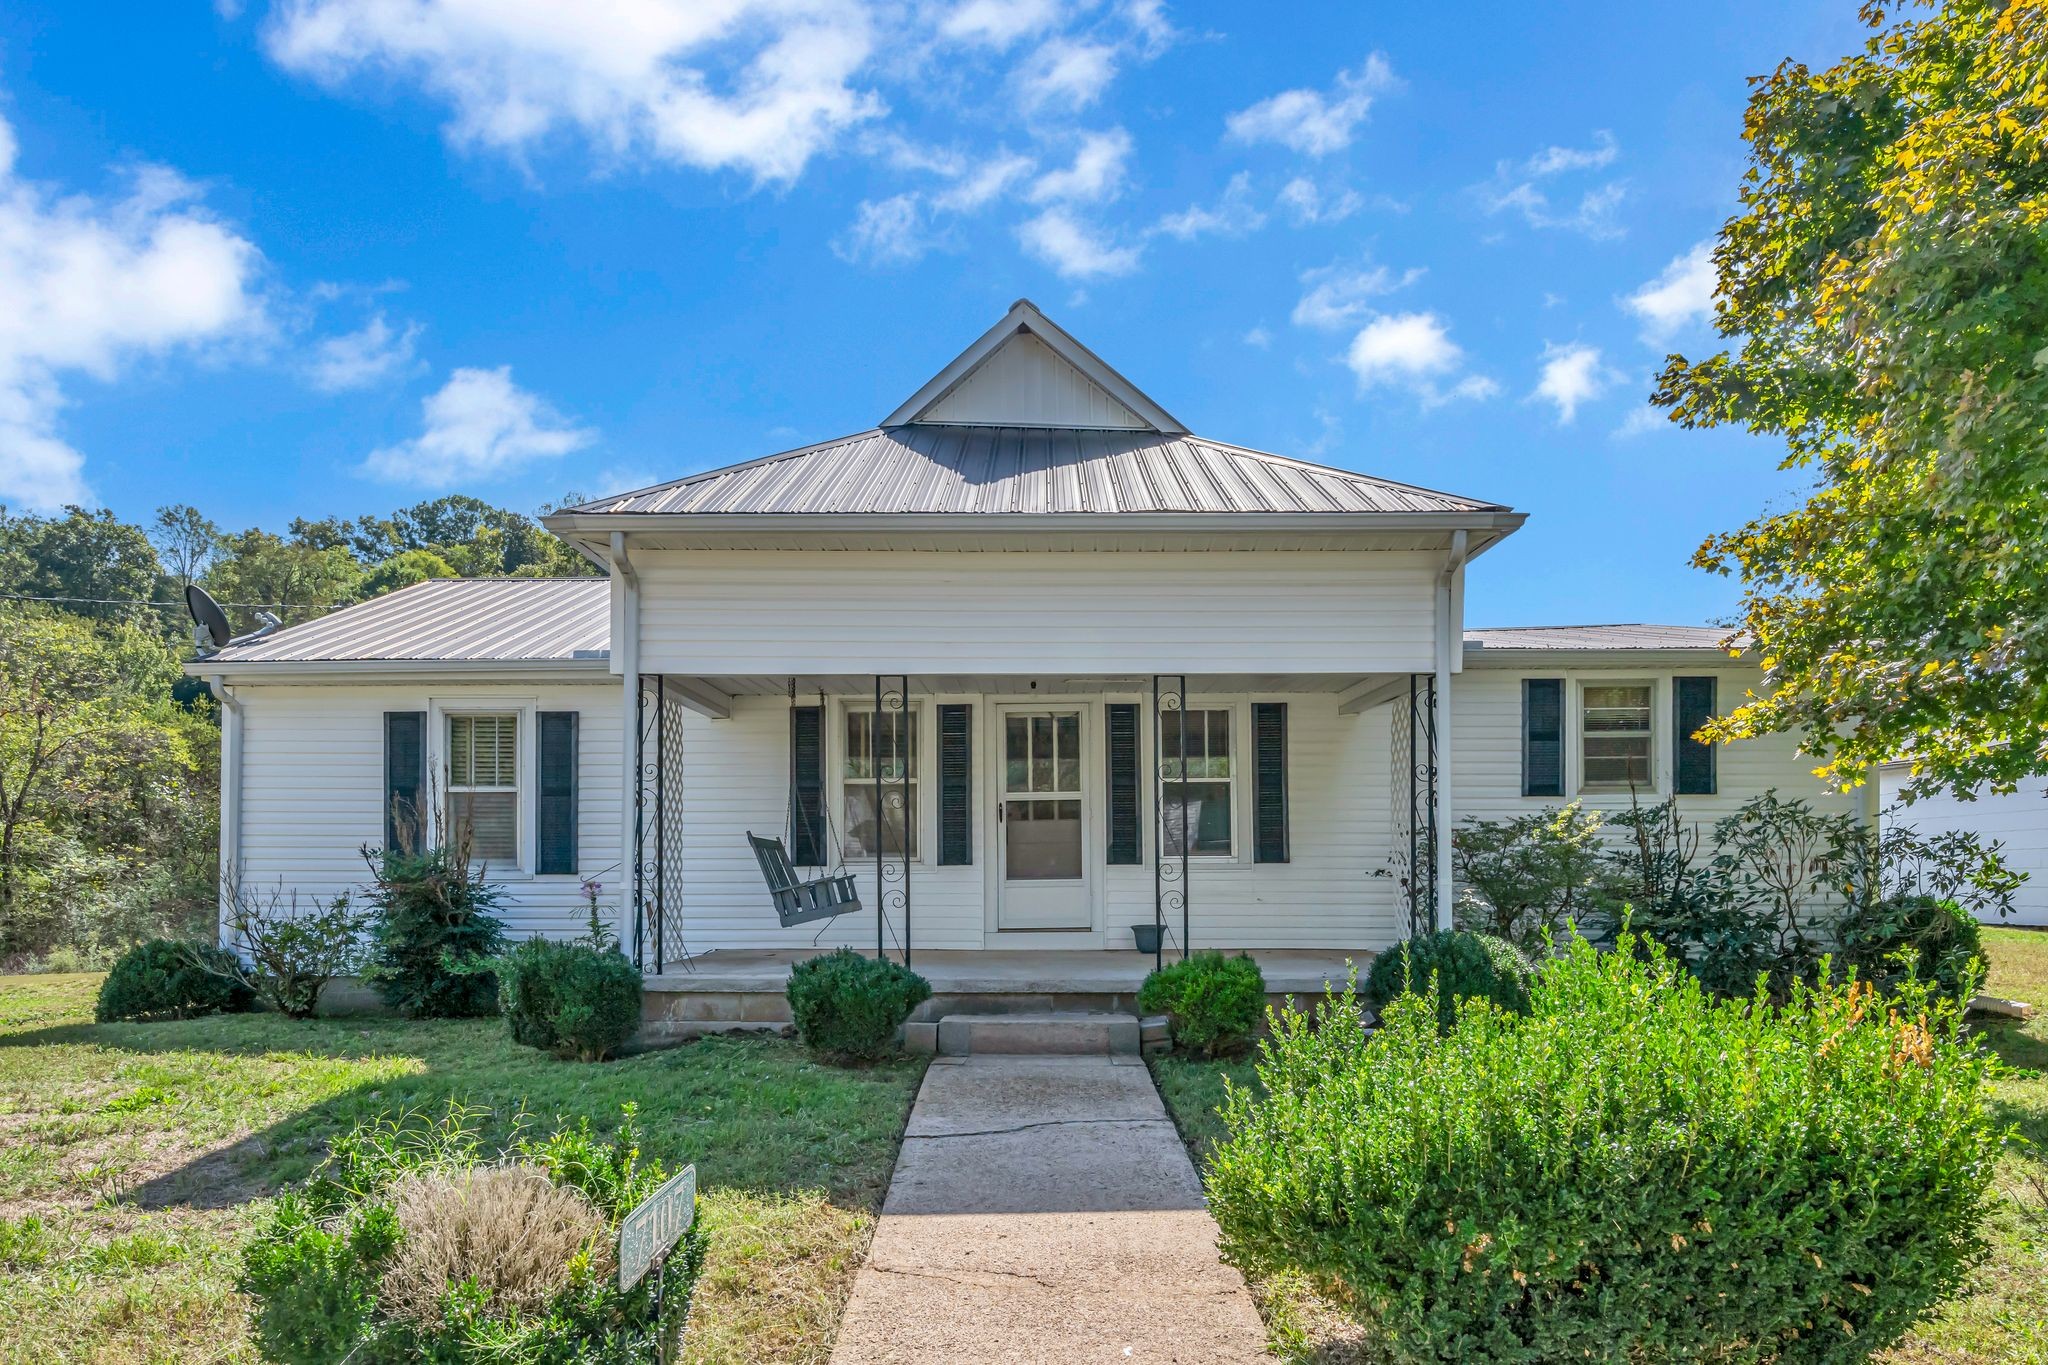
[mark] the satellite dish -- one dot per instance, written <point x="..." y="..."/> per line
<point x="207" y="615"/>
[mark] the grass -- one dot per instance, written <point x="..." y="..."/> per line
<point x="135" y="1159"/>
<point x="2003" y="1320"/>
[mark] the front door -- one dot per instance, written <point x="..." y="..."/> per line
<point x="1041" y="820"/>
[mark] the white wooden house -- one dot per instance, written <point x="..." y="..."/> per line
<point x="1100" y="672"/>
<point x="2018" y="820"/>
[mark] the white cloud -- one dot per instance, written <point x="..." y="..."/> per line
<point x="1232" y="216"/>
<point x="1681" y="296"/>
<point x="87" y="287"/>
<point x="479" y="424"/>
<point x="1414" y="351"/>
<point x="759" y="86"/>
<point x="885" y="232"/>
<point x="1306" y="204"/>
<point x="1572" y="374"/>
<point x="1259" y="337"/>
<point x="1641" y="422"/>
<point x="1096" y="175"/>
<point x="1515" y="189"/>
<point x="1149" y="24"/>
<point x="1309" y="122"/>
<point x="1074" y="249"/>
<point x="998" y="23"/>
<point x="1067" y="73"/>
<point x="1335" y="296"/>
<point x="360" y="358"/>
<point x="981" y="185"/>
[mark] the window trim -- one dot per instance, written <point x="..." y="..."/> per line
<point x="1239" y="711"/>
<point x="1659" y="687"/>
<point x="924" y="711"/>
<point x="440" y="710"/>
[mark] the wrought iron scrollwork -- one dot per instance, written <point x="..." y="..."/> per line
<point x="1414" y="752"/>
<point x="1171" y="889"/>
<point x="657" y="829"/>
<point x="892" y="800"/>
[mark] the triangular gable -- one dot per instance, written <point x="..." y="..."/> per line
<point x="1026" y="371"/>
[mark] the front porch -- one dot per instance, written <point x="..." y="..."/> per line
<point x="743" y="988"/>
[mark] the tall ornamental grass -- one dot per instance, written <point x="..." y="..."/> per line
<point x="1636" y="1171"/>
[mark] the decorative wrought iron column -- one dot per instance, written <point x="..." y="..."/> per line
<point x="657" y="829"/>
<point x="1170" y="886"/>
<point x="892" y="796"/>
<point x="1422" y="830"/>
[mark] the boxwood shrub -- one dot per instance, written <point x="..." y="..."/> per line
<point x="1212" y="1003"/>
<point x="332" y="1279"/>
<point x="1465" y="965"/>
<point x="1635" y="1171"/>
<point x="569" y="998"/>
<point x="849" y="1007"/>
<point x="173" y="979"/>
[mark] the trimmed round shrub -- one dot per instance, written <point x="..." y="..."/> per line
<point x="849" y="1006"/>
<point x="173" y="979"/>
<point x="1943" y="944"/>
<point x="1466" y="966"/>
<point x="1635" y="1171"/>
<point x="1212" y="1003"/>
<point x="569" y="998"/>
<point x="412" y="1243"/>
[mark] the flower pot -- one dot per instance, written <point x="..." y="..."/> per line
<point x="1147" y="936"/>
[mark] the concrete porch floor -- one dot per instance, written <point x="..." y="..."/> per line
<point x="1009" y="971"/>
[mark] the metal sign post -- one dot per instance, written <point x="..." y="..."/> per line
<point x="649" y="1233"/>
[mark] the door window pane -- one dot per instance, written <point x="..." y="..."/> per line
<point x="1042" y="840"/>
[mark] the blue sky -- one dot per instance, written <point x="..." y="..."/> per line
<point x="332" y="256"/>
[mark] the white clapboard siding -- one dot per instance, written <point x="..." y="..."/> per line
<point x="1024" y="384"/>
<point x="2017" y="819"/>
<point x="713" y="613"/>
<point x="313" y="792"/>
<point x="1486" y="749"/>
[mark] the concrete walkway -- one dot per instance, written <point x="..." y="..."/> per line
<point x="1044" y="1209"/>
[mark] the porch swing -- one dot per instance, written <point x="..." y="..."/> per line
<point x="796" y="901"/>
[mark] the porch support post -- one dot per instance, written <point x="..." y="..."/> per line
<point x="628" y="645"/>
<point x="1449" y="639"/>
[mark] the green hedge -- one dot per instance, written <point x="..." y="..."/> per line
<point x="849" y="1006"/>
<point x="173" y="979"/>
<point x="1212" y="1003"/>
<point x="1465" y="966"/>
<point x="1634" y="1172"/>
<point x="315" y="1270"/>
<point x="569" y="998"/>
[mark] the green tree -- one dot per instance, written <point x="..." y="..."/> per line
<point x="403" y="570"/>
<point x="99" y="564"/>
<point x="1887" y="279"/>
<point x="185" y="542"/>
<point x="96" y="762"/>
<point x="297" y="582"/>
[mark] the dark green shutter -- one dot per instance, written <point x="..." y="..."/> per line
<point x="557" y="853"/>
<point x="956" y="786"/>
<point x="1543" y="736"/>
<point x="1269" y="779"/>
<point x="405" y="777"/>
<point x="1692" y="761"/>
<point x="807" y="785"/>
<point x="1125" y="848"/>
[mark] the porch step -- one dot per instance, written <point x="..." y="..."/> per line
<point x="1049" y="1033"/>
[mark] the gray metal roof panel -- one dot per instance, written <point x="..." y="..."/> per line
<point x="1030" y="471"/>
<point x="1627" y="636"/>
<point x="453" y="620"/>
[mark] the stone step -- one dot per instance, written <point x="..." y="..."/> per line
<point x="1051" y="1033"/>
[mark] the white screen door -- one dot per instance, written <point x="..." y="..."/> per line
<point x="1041" y="820"/>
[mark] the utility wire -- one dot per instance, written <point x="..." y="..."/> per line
<point x="145" y="602"/>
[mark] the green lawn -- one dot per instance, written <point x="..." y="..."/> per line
<point x="2003" y="1321"/>
<point x="134" y="1158"/>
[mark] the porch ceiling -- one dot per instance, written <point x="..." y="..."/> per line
<point x="1049" y="684"/>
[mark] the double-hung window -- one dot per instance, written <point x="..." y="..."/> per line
<point x="878" y="778"/>
<point x="1196" y="775"/>
<point x="1615" y="736"/>
<point x="483" y="786"/>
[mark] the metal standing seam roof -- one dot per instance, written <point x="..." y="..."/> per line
<point x="455" y="620"/>
<point x="1028" y="470"/>
<point x="1623" y="637"/>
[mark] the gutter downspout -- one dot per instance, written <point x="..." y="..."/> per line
<point x="628" y="654"/>
<point x="230" y="801"/>
<point x="1449" y="638"/>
